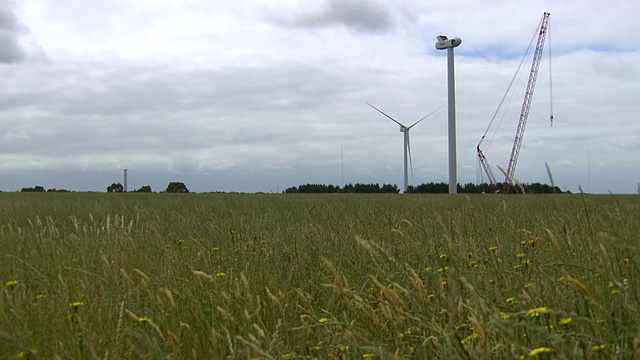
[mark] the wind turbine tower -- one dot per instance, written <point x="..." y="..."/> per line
<point x="448" y="44"/>
<point x="407" y="144"/>
<point x="125" y="180"/>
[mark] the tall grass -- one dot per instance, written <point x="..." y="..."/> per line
<point x="114" y="276"/>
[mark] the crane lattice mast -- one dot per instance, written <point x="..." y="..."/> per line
<point x="487" y="169"/>
<point x="526" y="105"/>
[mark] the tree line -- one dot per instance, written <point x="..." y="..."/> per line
<point x="349" y="188"/>
<point x="426" y="188"/>
<point x="39" y="188"/>
<point x="358" y="188"/>
<point x="172" y="187"/>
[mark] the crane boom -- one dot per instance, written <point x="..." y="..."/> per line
<point x="487" y="169"/>
<point x="526" y="105"/>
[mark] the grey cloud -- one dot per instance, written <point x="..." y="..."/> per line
<point x="13" y="49"/>
<point x="159" y="89"/>
<point x="192" y="120"/>
<point x="359" y="16"/>
<point x="10" y="30"/>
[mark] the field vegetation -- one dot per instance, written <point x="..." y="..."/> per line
<point x="274" y="276"/>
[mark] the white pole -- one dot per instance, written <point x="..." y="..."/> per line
<point x="406" y="164"/>
<point x="453" y="159"/>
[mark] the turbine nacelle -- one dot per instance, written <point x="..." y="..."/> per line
<point x="444" y="42"/>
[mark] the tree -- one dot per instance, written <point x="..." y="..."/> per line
<point x="36" y="188"/>
<point x="144" y="189"/>
<point x="57" y="190"/>
<point x="115" y="188"/>
<point x="390" y="188"/>
<point x="176" y="187"/>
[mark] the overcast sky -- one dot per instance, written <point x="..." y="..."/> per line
<point x="262" y="95"/>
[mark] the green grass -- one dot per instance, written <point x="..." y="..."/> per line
<point x="318" y="276"/>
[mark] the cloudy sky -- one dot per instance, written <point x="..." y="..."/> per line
<point x="253" y="95"/>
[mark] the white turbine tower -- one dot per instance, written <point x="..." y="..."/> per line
<point x="407" y="143"/>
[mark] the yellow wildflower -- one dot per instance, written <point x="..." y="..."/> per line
<point x="493" y="248"/>
<point x="528" y="285"/>
<point x="144" y="319"/>
<point x="288" y="355"/>
<point x="220" y="274"/>
<point x="76" y="305"/>
<point x="520" y="255"/>
<point x="511" y="301"/>
<point x="537" y="311"/>
<point x="27" y="354"/>
<point x="598" y="347"/>
<point x="367" y="356"/>
<point x="565" y="321"/>
<point x="323" y="320"/>
<point x="443" y="256"/>
<point x="40" y="296"/>
<point x="11" y="284"/>
<point x="443" y="285"/>
<point x="468" y="338"/>
<point x="540" y="350"/>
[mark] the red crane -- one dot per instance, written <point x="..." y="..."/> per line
<point x="524" y="114"/>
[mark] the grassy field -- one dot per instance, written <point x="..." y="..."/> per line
<point x="115" y="276"/>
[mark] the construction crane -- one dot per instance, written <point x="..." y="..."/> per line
<point x="524" y="114"/>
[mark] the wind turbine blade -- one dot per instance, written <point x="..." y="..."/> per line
<point x="424" y="117"/>
<point x="409" y="148"/>
<point x="381" y="112"/>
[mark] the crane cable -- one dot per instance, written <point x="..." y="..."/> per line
<point x="550" y="78"/>
<point x="509" y="87"/>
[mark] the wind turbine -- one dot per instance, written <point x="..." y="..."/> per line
<point x="407" y="143"/>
